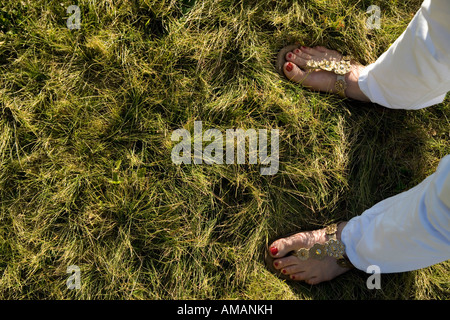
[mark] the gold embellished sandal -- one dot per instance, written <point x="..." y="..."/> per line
<point x="340" y="68"/>
<point x="332" y="248"/>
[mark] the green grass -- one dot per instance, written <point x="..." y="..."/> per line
<point x="86" y="176"/>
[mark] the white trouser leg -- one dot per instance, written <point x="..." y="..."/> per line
<point x="411" y="230"/>
<point x="415" y="71"/>
<point x="406" y="232"/>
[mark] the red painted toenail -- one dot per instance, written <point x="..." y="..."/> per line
<point x="273" y="250"/>
<point x="297" y="51"/>
<point x="276" y="264"/>
<point x="289" y="67"/>
<point x="284" y="270"/>
<point x="289" y="55"/>
<point x="293" y="277"/>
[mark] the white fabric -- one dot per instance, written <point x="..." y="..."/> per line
<point x="411" y="230"/>
<point x="406" y="232"/>
<point x="415" y="71"/>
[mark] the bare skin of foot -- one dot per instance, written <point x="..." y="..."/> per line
<point x="321" y="80"/>
<point x="311" y="271"/>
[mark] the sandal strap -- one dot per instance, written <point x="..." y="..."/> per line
<point x="340" y="67"/>
<point x="333" y="248"/>
<point x="340" y="85"/>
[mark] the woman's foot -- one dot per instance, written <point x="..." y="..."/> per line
<point x="311" y="271"/>
<point x="295" y="68"/>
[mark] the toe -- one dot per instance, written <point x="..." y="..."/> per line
<point x="299" y="276"/>
<point x="321" y="49"/>
<point x="285" y="262"/>
<point x="291" y="57"/>
<point x="299" y="59"/>
<point x="305" y="56"/>
<point x="320" y="52"/>
<point x="281" y="247"/>
<point x="293" y="269"/>
<point x="293" y="72"/>
<point x="311" y="51"/>
<point x="313" y="280"/>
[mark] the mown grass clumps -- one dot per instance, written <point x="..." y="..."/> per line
<point x="86" y="176"/>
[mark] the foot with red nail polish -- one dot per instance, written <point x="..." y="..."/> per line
<point x="295" y="69"/>
<point x="311" y="271"/>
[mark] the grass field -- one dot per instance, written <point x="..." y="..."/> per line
<point x="86" y="176"/>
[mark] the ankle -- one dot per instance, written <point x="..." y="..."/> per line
<point x="340" y="227"/>
<point x="353" y="90"/>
